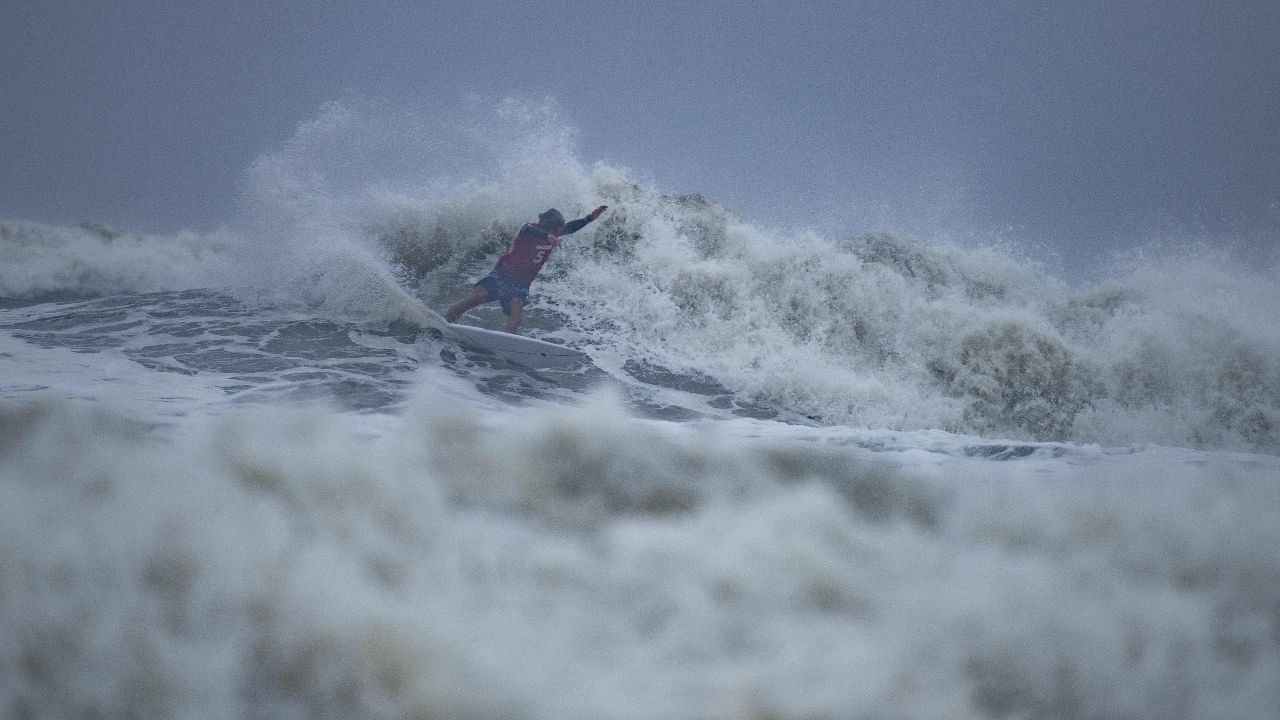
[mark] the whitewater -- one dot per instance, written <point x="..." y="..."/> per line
<point x="806" y="475"/>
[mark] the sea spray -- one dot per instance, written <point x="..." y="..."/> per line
<point x="369" y="211"/>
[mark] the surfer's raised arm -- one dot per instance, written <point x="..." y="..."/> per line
<point x="511" y="277"/>
<point x="574" y="226"/>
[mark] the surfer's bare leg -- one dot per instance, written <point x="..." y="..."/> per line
<point x="478" y="296"/>
<point x="517" y="314"/>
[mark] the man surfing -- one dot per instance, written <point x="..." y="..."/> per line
<point x="509" y="281"/>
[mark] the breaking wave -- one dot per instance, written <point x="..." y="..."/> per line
<point x="368" y="210"/>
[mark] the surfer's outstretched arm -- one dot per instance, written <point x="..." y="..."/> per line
<point x="574" y="226"/>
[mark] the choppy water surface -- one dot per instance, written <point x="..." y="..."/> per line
<point x="805" y="477"/>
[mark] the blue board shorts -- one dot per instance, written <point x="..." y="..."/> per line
<point x="503" y="289"/>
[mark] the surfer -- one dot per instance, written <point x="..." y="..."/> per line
<point x="509" y="281"/>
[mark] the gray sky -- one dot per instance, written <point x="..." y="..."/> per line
<point x="1079" y="125"/>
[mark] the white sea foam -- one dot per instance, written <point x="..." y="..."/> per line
<point x="577" y="563"/>
<point x="88" y="260"/>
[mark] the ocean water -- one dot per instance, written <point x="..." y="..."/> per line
<point x="807" y="476"/>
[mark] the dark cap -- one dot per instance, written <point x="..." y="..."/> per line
<point x="552" y="216"/>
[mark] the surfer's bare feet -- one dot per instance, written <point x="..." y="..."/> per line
<point x="451" y="315"/>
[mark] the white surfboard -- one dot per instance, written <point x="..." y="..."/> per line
<point x="516" y="348"/>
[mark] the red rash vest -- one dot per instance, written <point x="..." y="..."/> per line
<point x="530" y="250"/>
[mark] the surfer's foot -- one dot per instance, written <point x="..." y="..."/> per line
<point x="451" y="315"/>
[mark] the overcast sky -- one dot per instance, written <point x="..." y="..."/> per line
<point x="1081" y="124"/>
